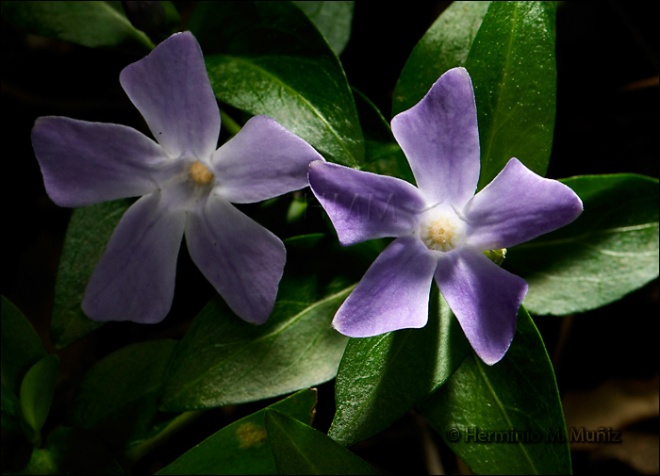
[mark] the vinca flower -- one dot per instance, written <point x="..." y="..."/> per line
<point x="186" y="187"/>
<point x="442" y="230"/>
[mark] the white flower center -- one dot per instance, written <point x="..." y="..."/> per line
<point x="441" y="229"/>
<point x="200" y="174"/>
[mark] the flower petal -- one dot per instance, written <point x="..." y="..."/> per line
<point x="440" y="138"/>
<point x="363" y="205"/>
<point x="242" y="259"/>
<point x="171" y="88"/>
<point x="89" y="162"/>
<point x="484" y="298"/>
<point x="134" y="280"/>
<point x="262" y="161"/>
<point x="393" y="294"/>
<point x="518" y="205"/>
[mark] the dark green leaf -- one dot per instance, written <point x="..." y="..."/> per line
<point x="512" y="65"/>
<point x="333" y="19"/>
<point x="11" y="410"/>
<point x="445" y="45"/>
<point x="242" y="447"/>
<point x="119" y="395"/>
<point x="383" y="154"/>
<point x="93" y="24"/>
<point x="223" y="360"/>
<point x="36" y="394"/>
<point x="611" y="250"/>
<point x="381" y="378"/>
<point x="300" y="449"/>
<point x="505" y="419"/>
<point x="72" y="451"/>
<point x="21" y="347"/>
<point x="86" y="238"/>
<point x="273" y="61"/>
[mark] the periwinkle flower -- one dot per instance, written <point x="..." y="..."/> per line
<point x="186" y="187"/>
<point x="442" y="229"/>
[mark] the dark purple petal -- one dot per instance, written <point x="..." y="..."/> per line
<point x="134" y="280"/>
<point x="363" y="205"/>
<point x="171" y="88"/>
<point x="89" y="162"/>
<point x="518" y="205"/>
<point x="243" y="260"/>
<point x="484" y="298"/>
<point x="393" y="294"/>
<point x="440" y="138"/>
<point x="262" y="161"/>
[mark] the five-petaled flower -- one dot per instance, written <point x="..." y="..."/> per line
<point x="442" y="228"/>
<point x="186" y="187"/>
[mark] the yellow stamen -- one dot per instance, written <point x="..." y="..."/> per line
<point x="200" y="174"/>
<point x="440" y="234"/>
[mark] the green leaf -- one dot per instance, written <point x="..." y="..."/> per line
<point x="381" y="378"/>
<point x="93" y="24"/>
<point x="509" y="52"/>
<point x="300" y="449"/>
<point x="223" y="360"/>
<point x="242" y="447"/>
<point x="512" y="65"/>
<point x="333" y="20"/>
<point x="36" y="393"/>
<point x="86" y="238"/>
<point x="383" y="155"/>
<point x="445" y="45"/>
<point x="505" y="419"/>
<point x="609" y="251"/>
<point x="20" y="347"/>
<point x="119" y="394"/>
<point x="11" y="410"/>
<point x="273" y="61"/>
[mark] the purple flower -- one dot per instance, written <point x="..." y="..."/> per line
<point x="442" y="228"/>
<point x="186" y="186"/>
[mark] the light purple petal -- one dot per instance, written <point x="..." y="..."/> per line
<point x="134" y="280"/>
<point x="89" y="162"/>
<point x="393" y="294"/>
<point x="484" y="298"/>
<point x="363" y="205"/>
<point x="171" y="88"/>
<point x="440" y="138"/>
<point x="262" y="161"/>
<point x="518" y="205"/>
<point x="242" y="259"/>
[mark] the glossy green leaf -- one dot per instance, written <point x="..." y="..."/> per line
<point x="383" y="377"/>
<point x="512" y="65"/>
<point x="333" y="20"/>
<point x="508" y="50"/>
<point x="505" y="419"/>
<point x="609" y="251"/>
<point x="36" y="393"/>
<point x="268" y="58"/>
<point x="445" y="45"/>
<point x="119" y="395"/>
<point x="242" y="447"/>
<point x="20" y="347"/>
<point x="93" y="24"/>
<point x="301" y="449"/>
<point x="86" y="238"/>
<point x="223" y="360"/>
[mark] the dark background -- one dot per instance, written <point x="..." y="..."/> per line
<point x="607" y="122"/>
